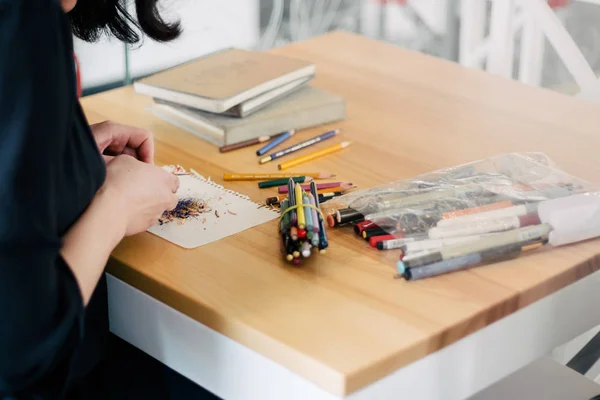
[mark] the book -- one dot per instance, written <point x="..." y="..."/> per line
<point x="222" y="80"/>
<point x="259" y="102"/>
<point x="308" y="107"/>
<point x="223" y="212"/>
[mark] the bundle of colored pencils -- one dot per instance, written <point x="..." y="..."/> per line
<point x="301" y="226"/>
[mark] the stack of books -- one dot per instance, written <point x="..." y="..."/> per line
<point x="236" y="95"/>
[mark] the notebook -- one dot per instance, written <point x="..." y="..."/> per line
<point x="308" y="107"/>
<point x="222" y="80"/>
<point x="226" y="213"/>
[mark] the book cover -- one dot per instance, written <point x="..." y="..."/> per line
<point x="222" y="80"/>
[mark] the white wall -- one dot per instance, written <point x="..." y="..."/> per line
<point x="101" y="63"/>
<point x="208" y="25"/>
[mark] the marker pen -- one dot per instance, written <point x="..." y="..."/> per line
<point x="514" y="211"/>
<point x="482" y="226"/>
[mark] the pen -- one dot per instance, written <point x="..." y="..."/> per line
<point x="501" y="253"/>
<point x="478" y="227"/>
<point x="485" y="243"/>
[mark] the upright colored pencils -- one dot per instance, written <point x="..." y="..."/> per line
<point x="302" y="229"/>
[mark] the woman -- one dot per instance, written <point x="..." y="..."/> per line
<point x="65" y="206"/>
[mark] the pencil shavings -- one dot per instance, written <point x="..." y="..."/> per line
<point x="185" y="209"/>
<point x="191" y="207"/>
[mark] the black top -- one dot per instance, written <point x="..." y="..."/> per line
<point x="50" y="168"/>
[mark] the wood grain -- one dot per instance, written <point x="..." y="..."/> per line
<point x="341" y="321"/>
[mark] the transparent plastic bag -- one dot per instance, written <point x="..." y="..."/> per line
<point x="471" y="214"/>
<point x="415" y="205"/>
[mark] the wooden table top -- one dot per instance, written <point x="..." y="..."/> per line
<point x="342" y="321"/>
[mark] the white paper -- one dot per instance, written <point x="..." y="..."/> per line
<point x="236" y="213"/>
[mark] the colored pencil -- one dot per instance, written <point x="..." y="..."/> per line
<point x="315" y="215"/>
<point x="312" y="156"/>
<point x="283" y="181"/>
<point x="245" y="143"/>
<point x="292" y="199"/>
<point x="300" y="210"/>
<point x="271" y="201"/>
<point x="304" y="233"/>
<point x="275" y="142"/>
<point x="285" y="222"/>
<point x="328" y="196"/>
<point x="344" y="187"/>
<point x="275" y="200"/>
<point x="299" y="146"/>
<point x="323" y="241"/>
<point x="275" y="175"/>
<point x="308" y="214"/>
<point x="328" y="185"/>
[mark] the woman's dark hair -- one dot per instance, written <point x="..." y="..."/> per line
<point x="90" y="19"/>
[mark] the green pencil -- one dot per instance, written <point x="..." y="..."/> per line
<point x="284" y="181"/>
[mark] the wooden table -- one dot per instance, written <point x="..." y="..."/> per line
<point x="235" y="318"/>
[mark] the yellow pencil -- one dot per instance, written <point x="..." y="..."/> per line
<point x="300" y="210"/>
<point x="275" y="175"/>
<point x="312" y="156"/>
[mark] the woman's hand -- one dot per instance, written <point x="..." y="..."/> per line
<point x="133" y="197"/>
<point x="142" y="192"/>
<point x="114" y="139"/>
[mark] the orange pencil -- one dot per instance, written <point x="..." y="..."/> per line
<point x="330" y="190"/>
<point x="317" y="154"/>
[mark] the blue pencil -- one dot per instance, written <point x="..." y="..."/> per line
<point x="300" y="146"/>
<point x="275" y="142"/>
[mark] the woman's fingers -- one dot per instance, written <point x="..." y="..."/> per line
<point x="116" y="139"/>
<point x="174" y="183"/>
<point x="173" y="201"/>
